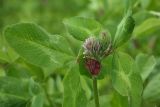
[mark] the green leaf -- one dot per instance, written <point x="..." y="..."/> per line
<point x="15" y="92"/>
<point x="36" y="46"/>
<point x="6" y="53"/>
<point x="81" y="28"/>
<point x="125" y="78"/>
<point x="103" y="100"/>
<point x="146" y="65"/>
<point x="119" y="100"/>
<point x="106" y="67"/>
<point x="82" y="67"/>
<point x="74" y="43"/>
<point x="23" y="70"/>
<point x="59" y="43"/>
<point x="11" y="101"/>
<point x="87" y="86"/>
<point x="74" y="95"/>
<point x="122" y="66"/>
<point x="145" y="3"/>
<point x="37" y="101"/>
<point x="151" y="92"/>
<point x="136" y="89"/>
<point x="124" y="30"/>
<point x="2" y="72"/>
<point x="148" y="26"/>
<point x="128" y="5"/>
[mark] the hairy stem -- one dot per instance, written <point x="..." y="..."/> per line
<point x="95" y="90"/>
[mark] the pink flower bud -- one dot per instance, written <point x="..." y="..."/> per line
<point x="93" y="66"/>
<point x="91" y="46"/>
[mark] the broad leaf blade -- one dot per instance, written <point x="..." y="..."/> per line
<point x="146" y="65"/>
<point x="148" y="27"/>
<point x="81" y="28"/>
<point x="23" y="70"/>
<point x="151" y="92"/>
<point x="59" y="43"/>
<point x="12" y="101"/>
<point x="124" y="30"/>
<point x="37" y="101"/>
<point x="15" y="92"/>
<point x="136" y="89"/>
<point x="119" y="100"/>
<point x="126" y="79"/>
<point x="33" y="44"/>
<point x="104" y="101"/>
<point x="122" y="66"/>
<point x="6" y="53"/>
<point x="74" y="95"/>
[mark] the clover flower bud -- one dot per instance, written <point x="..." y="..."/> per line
<point x="91" y="46"/>
<point x="95" y="49"/>
<point x="93" y="66"/>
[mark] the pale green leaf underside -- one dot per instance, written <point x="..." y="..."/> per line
<point x="36" y="46"/>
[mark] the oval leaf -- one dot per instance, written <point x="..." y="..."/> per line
<point x="74" y="95"/>
<point x="146" y="65"/>
<point x="15" y="92"/>
<point x="151" y="92"/>
<point x="81" y="28"/>
<point x="33" y="44"/>
<point x="124" y="31"/>
<point x="125" y="78"/>
<point x="147" y="27"/>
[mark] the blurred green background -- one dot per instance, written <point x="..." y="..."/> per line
<point x="50" y="13"/>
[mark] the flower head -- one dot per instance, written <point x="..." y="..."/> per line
<point x="93" y="66"/>
<point x="94" y="51"/>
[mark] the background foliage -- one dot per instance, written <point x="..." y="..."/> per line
<point x="54" y="81"/>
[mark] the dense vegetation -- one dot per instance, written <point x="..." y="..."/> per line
<point x="79" y="53"/>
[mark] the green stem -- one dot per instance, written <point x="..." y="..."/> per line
<point x="129" y="101"/>
<point x="95" y="90"/>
